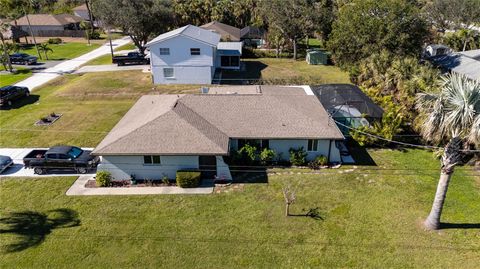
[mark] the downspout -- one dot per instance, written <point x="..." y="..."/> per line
<point x="329" y="149"/>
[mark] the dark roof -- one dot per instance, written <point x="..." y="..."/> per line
<point x="333" y="96"/>
<point x="252" y="32"/>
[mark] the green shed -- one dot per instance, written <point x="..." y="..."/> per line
<point x="317" y="57"/>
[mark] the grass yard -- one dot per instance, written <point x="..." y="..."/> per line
<point x="10" y="79"/>
<point x="91" y="105"/>
<point x="64" y="51"/>
<point x="368" y="219"/>
<point x="284" y="71"/>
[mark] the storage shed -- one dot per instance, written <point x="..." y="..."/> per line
<point x="317" y="57"/>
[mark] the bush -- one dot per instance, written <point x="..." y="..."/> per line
<point x="249" y="153"/>
<point x="95" y="35"/>
<point x="267" y="155"/>
<point x="188" y="179"/>
<point x="103" y="178"/>
<point x="297" y="156"/>
<point x="55" y="40"/>
<point x="318" y="162"/>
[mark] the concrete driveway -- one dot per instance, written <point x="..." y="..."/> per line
<point x="69" y="66"/>
<point x="38" y="66"/>
<point x="17" y="170"/>
<point x="110" y="67"/>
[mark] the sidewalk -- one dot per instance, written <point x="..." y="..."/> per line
<point x="68" y="66"/>
<point x="78" y="188"/>
<point x="109" y="68"/>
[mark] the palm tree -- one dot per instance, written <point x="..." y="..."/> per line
<point x="4" y="30"/>
<point x="45" y="48"/>
<point x="452" y="115"/>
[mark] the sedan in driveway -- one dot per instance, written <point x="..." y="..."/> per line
<point x="23" y="58"/>
<point x="8" y="94"/>
<point x="5" y="162"/>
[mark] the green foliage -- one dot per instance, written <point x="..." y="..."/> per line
<point x="367" y="26"/>
<point x="95" y="35"/>
<point x="297" y="156"/>
<point x="267" y="156"/>
<point x="249" y="153"/>
<point x="462" y="39"/>
<point x="318" y="162"/>
<point x="103" y="178"/>
<point x="54" y="40"/>
<point x="188" y="179"/>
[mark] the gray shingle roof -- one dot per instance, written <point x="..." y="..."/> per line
<point x="189" y="31"/>
<point x="203" y="124"/>
<point x="227" y="32"/>
<point x="48" y="19"/>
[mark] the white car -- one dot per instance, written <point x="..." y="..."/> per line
<point x="5" y="162"/>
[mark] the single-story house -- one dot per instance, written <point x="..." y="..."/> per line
<point x="82" y="11"/>
<point x="226" y="32"/>
<point x="46" y="25"/>
<point x="161" y="134"/>
<point x="252" y="36"/>
<point x="466" y="63"/>
<point x="191" y="55"/>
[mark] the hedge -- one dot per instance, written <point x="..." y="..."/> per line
<point x="188" y="179"/>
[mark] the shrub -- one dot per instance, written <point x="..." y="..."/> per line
<point x="249" y="153"/>
<point x="188" y="179"/>
<point x="55" y="40"/>
<point x="267" y="155"/>
<point x="95" y="35"/>
<point x="103" y="178"/>
<point x="297" y="156"/>
<point x="165" y="180"/>
<point x="321" y="160"/>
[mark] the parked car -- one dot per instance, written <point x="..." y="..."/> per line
<point x="23" y="58"/>
<point x="5" y="162"/>
<point x="8" y="94"/>
<point x="60" y="158"/>
<point x="131" y="58"/>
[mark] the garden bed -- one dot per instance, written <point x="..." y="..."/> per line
<point x="48" y="120"/>
<point x="128" y="184"/>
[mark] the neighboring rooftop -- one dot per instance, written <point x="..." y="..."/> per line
<point x="48" y="19"/>
<point x="81" y="8"/>
<point x="230" y="48"/>
<point x="258" y="89"/>
<point x="204" y="123"/>
<point x="190" y="31"/>
<point x="466" y="63"/>
<point x="227" y="32"/>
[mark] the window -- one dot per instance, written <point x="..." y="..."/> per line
<point x="151" y="159"/>
<point x="194" y="51"/>
<point x="312" y="145"/>
<point x="164" y="51"/>
<point x="168" y="72"/>
<point x="229" y="61"/>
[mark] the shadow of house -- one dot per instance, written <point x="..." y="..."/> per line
<point x="252" y="175"/>
<point x="27" y="100"/>
<point x="31" y="227"/>
<point x="250" y="74"/>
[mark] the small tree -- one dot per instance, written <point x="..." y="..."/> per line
<point x="289" y="196"/>
<point x="86" y="26"/>
<point x="45" y="48"/>
<point x="4" y="28"/>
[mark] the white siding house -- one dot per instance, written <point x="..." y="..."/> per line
<point x="187" y="55"/>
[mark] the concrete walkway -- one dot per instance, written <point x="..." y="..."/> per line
<point x="68" y="66"/>
<point x="17" y="170"/>
<point x="110" y="68"/>
<point x="78" y="188"/>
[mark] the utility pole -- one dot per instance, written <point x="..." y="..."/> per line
<point x="31" y="33"/>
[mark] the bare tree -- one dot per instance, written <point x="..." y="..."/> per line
<point x="290" y="197"/>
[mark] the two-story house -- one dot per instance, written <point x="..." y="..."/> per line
<point x="190" y="55"/>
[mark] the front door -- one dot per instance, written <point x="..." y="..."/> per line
<point x="208" y="166"/>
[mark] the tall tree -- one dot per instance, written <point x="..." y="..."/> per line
<point x="292" y="18"/>
<point x="5" y="31"/>
<point x="452" y="115"/>
<point x="453" y="15"/>
<point x="140" y="19"/>
<point x="195" y="12"/>
<point x="367" y="26"/>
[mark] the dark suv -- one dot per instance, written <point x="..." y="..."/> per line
<point x="22" y="58"/>
<point x="11" y="93"/>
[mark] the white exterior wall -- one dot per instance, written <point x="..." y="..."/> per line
<point x="121" y="167"/>
<point x="282" y="146"/>
<point x="188" y="69"/>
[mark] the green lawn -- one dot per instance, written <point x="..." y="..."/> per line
<point x="107" y="58"/>
<point x="284" y="71"/>
<point x="369" y="219"/>
<point x="91" y="105"/>
<point x="9" y="79"/>
<point x="64" y="51"/>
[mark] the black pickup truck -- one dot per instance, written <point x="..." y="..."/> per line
<point x="60" y="158"/>
<point x="130" y="58"/>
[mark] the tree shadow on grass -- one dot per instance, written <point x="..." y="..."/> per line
<point x="447" y="225"/>
<point x="312" y="213"/>
<point x="31" y="227"/>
